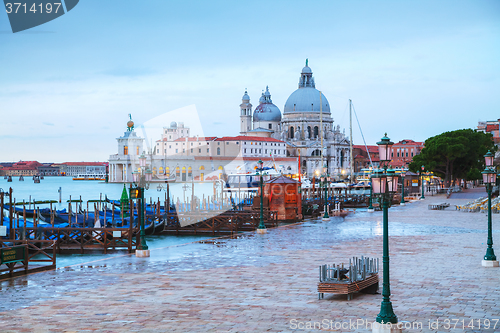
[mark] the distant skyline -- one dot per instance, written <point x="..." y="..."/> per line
<point x="413" y="69"/>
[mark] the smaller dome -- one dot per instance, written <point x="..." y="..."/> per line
<point x="306" y="70"/>
<point x="267" y="112"/>
<point x="173" y="124"/>
<point x="130" y="124"/>
<point x="245" y="96"/>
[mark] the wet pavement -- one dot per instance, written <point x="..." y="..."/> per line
<point x="258" y="283"/>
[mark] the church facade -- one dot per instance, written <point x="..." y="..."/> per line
<point x="307" y="127"/>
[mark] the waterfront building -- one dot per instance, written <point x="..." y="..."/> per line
<point x="365" y="157"/>
<point x="84" y="169"/>
<point x="22" y="168"/>
<point x="125" y="161"/>
<point x="180" y="157"/>
<point x="306" y="117"/>
<point x="49" y="169"/>
<point x="491" y="126"/>
<point x="403" y="152"/>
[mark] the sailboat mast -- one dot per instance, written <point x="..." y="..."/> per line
<point x="321" y="129"/>
<point x="350" y="142"/>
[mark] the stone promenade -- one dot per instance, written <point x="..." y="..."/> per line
<point x="267" y="283"/>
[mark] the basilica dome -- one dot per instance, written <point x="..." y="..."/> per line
<point x="306" y="98"/>
<point x="266" y="111"/>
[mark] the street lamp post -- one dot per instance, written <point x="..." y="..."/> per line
<point x="142" y="179"/>
<point x="403" y="174"/>
<point x="384" y="185"/>
<point x="422" y="181"/>
<point x="325" y="179"/>
<point x="261" y="229"/>
<point x="370" y="199"/>
<point x="489" y="179"/>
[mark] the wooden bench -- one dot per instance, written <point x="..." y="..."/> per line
<point x="362" y="275"/>
<point x="369" y="285"/>
<point x="439" y="206"/>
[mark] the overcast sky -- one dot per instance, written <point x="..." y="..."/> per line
<point x="413" y="69"/>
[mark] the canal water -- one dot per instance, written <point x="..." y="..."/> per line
<point x="48" y="189"/>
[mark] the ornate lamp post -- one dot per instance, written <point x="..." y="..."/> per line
<point x="370" y="199"/>
<point x="261" y="229"/>
<point x="384" y="185"/>
<point x="489" y="179"/>
<point x="403" y="174"/>
<point x="422" y="177"/>
<point x="325" y="179"/>
<point x="142" y="179"/>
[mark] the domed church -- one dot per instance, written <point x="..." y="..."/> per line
<point x="305" y="114"/>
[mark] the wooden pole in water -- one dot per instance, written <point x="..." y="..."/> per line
<point x="24" y="216"/>
<point x="168" y="197"/>
<point x="69" y="211"/>
<point x="1" y="209"/>
<point x="52" y="217"/>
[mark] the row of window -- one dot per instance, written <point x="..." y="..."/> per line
<point x="402" y="154"/>
<point x="259" y="151"/>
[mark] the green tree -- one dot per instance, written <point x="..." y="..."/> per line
<point x="455" y="154"/>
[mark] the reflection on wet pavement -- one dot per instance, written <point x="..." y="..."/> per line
<point x="246" y="250"/>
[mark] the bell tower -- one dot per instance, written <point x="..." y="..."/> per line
<point x="245" y="114"/>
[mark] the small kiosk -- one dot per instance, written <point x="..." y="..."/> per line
<point x="283" y="196"/>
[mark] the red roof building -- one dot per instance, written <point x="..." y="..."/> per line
<point x="22" y="168"/>
<point x="403" y="152"/>
<point x="492" y="127"/>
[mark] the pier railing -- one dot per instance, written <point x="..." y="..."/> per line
<point x="20" y="257"/>
<point x="84" y="240"/>
<point x="229" y="222"/>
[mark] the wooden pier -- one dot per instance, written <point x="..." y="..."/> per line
<point x="21" y="257"/>
<point x="225" y="223"/>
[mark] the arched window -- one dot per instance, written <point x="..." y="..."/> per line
<point x="221" y="170"/>
<point x="341" y="158"/>
<point x="190" y="172"/>
<point x="161" y="170"/>
<point x="125" y="150"/>
<point x="291" y="132"/>
<point x="316" y="131"/>
<point x="177" y="172"/>
<point x="154" y="171"/>
<point x="183" y="174"/>
<point x="202" y="174"/>
<point x="137" y="150"/>
<point x="167" y="172"/>
<point x="218" y="151"/>
<point x="309" y="132"/>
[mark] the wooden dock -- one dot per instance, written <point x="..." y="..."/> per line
<point x="20" y="257"/>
